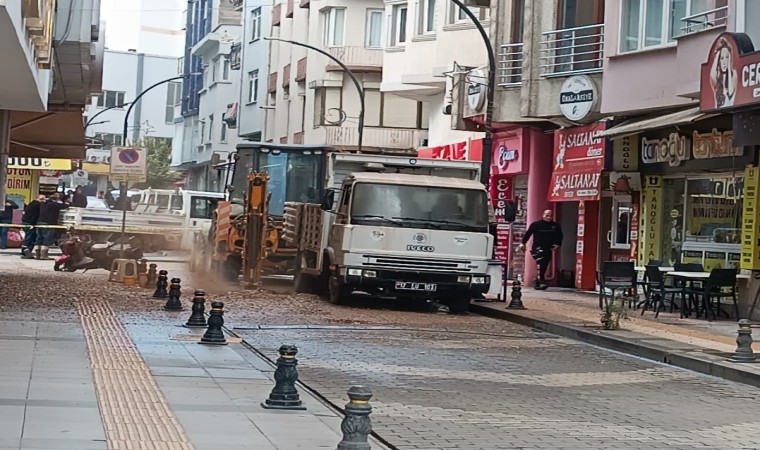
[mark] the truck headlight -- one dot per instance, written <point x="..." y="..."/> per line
<point x="355" y="272"/>
<point x="479" y="280"/>
<point x="463" y="279"/>
<point x="370" y="274"/>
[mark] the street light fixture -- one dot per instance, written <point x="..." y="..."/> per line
<point x="351" y="75"/>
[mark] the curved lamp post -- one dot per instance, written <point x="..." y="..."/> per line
<point x="358" y="85"/>
<point x="89" y="121"/>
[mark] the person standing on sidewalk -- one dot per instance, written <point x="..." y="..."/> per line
<point x="49" y="212"/>
<point x="31" y="214"/>
<point x="547" y="236"/>
<point x="6" y="217"/>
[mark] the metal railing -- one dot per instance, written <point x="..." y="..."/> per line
<point x="706" y="20"/>
<point x="509" y="65"/>
<point x="572" y="51"/>
<point x="358" y="56"/>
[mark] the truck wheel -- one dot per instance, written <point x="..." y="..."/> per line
<point x="458" y="305"/>
<point x="337" y="293"/>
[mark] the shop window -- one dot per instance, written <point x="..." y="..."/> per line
<point x="620" y="234"/>
<point x="714" y="210"/>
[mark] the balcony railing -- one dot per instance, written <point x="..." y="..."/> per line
<point x="509" y="65"/>
<point x="572" y="51"/>
<point x="391" y="138"/>
<point x="706" y="20"/>
<point x="356" y="57"/>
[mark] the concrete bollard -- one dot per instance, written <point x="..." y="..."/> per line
<point x="161" y="284"/>
<point x="198" y="317"/>
<point x="214" y="334"/>
<point x="174" y="303"/>
<point x="744" y="353"/>
<point x="516" y="302"/>
<point x="357" y="425"/>
<point x="284" y="395"/>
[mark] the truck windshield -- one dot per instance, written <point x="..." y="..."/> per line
<point x="419" y="207"/>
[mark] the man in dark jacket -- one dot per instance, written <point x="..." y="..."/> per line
<point x="547" y="236"/>
<point x="49" y="212"/>
<point x="78" y="199"/>
<point x="6" y="217"/>
<point x="31" y="214"/>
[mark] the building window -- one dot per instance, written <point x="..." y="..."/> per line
<point x="620" y="233"/>
<point x="214" y="70"/>
<point x="335" y="27"/>
<point x="427" y="16"/>
<point x="111" y="99"/>
<point x="253" y="86"/>
<point x="652" y="23"/>
<point x="398" y="29"/>
<point x="181" y="65"/>
<point x="223" y="135"/>
<point x="374" y="28"/>
<point x="256" y="24"/>
<point x="109" y="140"/>
<point x="226" y="68"/>
<point x="173" y="97"/>
<point x="210" y="128"/>
<point x="457" y="14"/>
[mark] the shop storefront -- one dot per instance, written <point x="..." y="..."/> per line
<point x="29" y="176"/>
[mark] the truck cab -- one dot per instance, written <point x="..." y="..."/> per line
<point x="409" y="236"/>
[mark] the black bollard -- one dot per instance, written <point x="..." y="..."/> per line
<point x="161" y="285"/>
<point x="357" y="425"/>
<point x="284" y="395"/>
<point x="152" y="275"/>
<point x="516" y="302"/>
<point x="744" y="353"/>
<point x="198" y="317"/>
<point x="214" y="334"/>
<point x="142" y="266"/>
<point x="174" y="303"/>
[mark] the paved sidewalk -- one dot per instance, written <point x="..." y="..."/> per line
<point x="694" y="344"/>
<point x="116" y="381"/>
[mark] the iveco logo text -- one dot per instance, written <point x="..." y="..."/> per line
<point x="420" y="248"/>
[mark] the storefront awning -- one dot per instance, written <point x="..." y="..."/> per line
<point x="636" y="126"/>
<point x="47" y="134"/>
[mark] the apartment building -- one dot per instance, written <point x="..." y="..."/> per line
<point x="126" y="74"/>
<point x="427" y="43"/>
<point x="52" y="61"/>
<point x="190" y="154"/>
<point x="254" y="68"/>
<point x="311" y="99"/>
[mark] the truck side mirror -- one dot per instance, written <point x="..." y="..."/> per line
<point x="510" y="211"/>
<point x="328" y="201"/>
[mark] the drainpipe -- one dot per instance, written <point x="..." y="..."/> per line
<point x="5" y="142"/>
<point x="138" y="106"/>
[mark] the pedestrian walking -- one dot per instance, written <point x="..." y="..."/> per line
<point x="49" y="212"/>
<point x="6" y="218"/>
<point x="78" y="199"/>
<point x="29" y="219"/>
<point x="547" y="236"/>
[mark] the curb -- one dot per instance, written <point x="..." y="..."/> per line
<point x="694" y="360"/>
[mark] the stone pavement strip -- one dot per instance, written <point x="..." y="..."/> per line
<point x="693" y="344"/>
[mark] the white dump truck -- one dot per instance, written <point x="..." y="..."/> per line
<point x="163" y="219"/>
<point x="394" y="226"/>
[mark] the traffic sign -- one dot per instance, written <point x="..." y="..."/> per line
<point x="129" y="164"/>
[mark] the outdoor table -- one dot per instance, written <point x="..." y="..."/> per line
<point x="700" y="277"/>
<point x="662" y="269"/>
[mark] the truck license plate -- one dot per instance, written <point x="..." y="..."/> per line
<point x="409" y="286"/>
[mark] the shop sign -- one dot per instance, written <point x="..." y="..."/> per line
<point x="577" y="97"/>
<point x="625" y="154"/>
<point x="21" y="162"/>
<point x="651" y="220"/>
<point x="750" y="242"/>
<point x="501" y="191"/>
<point x="634" y="232"/>
<point x="672" y="150"/>
<point x="579" y="155"/>
<point x="715" y="145"/>
<point x="19" y="186"/>
<point x="507" y="155"/>
<point x="476" y="89"/>
<point x="731" y="76"/>
<point x="49" y="177"/>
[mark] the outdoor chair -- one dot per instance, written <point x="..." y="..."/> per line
<point x="617" y="276"/>
<point x="656" y="287"/>
<point x="721" y="284"/>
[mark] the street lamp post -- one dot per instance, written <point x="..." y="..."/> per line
<point x="351" y="75"/>
<point x="123" y="185"/>
<point x="89" y="121"/>
<point x="485" y="164"/>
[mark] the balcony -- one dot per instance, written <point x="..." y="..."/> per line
<point x="286" y="76"/>
<point x="381" y="138"/>
<point x="706" y="20"/>
<point x="272" y="86"/>
<point x="509" y="65"/>
<point x="572" y="51"/>
<point x="301" y="70"/>
<point x="357" y="59"/>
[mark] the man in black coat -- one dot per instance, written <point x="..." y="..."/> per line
<point x="49" y="213"/>
<point x="31" y="214"/>
<point x="6" y="218"/>
<point x="547" y="236"/>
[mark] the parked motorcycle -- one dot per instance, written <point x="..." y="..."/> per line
<point x="83" y="253"/>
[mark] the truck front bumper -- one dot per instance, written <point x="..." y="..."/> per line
<point x="398" y="283"/>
